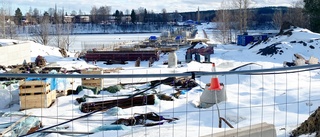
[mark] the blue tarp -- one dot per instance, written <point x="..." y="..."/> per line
<point x="110" y="127"/>
<point x="53" y="81"/>
<point x="153" y="38"/>
<point x="179" y="37"/>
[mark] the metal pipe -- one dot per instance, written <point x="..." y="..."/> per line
<point x="197" y="73"/>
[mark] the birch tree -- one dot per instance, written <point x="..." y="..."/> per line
<point x="41" y="34"/>
<point x="68" y="38"/>
<point x="3" y="20"/>
<point x="277" y="18"/>
<point x="296" y="15"/>
<point x="223" y="21"/>
<point x="58" y="29"/>
<point x="242" y="16"/>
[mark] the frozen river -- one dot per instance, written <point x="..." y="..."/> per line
<point x="79" y="41"/>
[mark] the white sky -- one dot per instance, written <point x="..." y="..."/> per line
<point x="123" y="5"/>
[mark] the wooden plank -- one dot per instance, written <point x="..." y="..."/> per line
<point x="93" y="82"/>
<point x="98" y="81"/>
<point x="256" y="130"/>
<point x="33" y="92"/>
<point x="34" y="97"/>
<point x="92" y="72"/>
<point x="26" y="86"/>
<point x="33" y="82"/>
<point x="14" y="124"/>
<point x="34" y="87"/>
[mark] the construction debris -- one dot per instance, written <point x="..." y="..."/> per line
<point x="300" y="60"/>
<point x="141" y="119"/>
<point x="40" y="61"/>
<point x="309" y="126"/>
<point x="23" y="126"/>
<point x="122" y="103"/>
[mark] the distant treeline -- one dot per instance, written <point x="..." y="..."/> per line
<point x="261" y="17"/>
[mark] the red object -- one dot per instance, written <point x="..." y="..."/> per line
<point x="121" y="55"/>
<point x="214" y="84"/>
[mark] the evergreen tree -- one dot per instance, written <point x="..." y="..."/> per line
<point x="133" y="17"/>
<point x="164" y="16"/>
<point x="145" y="17"/>
<point x="312" y="7"/>
<point x="118" y="15"/>
<point x="18" y="16"/>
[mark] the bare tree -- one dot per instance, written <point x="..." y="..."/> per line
<point x="11" y="27"/>
<point x="94" y="12"/>
<point x="223" y="20"/>
<point x="242" y="15"/>
<point x="127" y="14"/>
<point x="36" y="14"/>
<point x="42" y="30"/>
<point x="176" y="16"/>
<point x="3" y="14"/>
<point x="80" y="12"/>
<point x="73" y="13"/>
<point x="59" y="30"/>
<point x="164" y="16"/>
<point x="278" y="18"/>
<point x="3" y="23"/>
<point x="140" y="14"/>
<point x="68" y="38"/>
<point x="103" y="15"/>
<point x="295" y="14"/>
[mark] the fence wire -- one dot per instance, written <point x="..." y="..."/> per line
<point x="281" y="97"/>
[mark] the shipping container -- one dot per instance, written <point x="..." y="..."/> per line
<point x="244" y="40"/>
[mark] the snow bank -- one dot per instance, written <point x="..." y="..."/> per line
<point x="298" y="40"/>
<point x="6" y="98"/>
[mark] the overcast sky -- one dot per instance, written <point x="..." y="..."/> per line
<point x="122" y="5"/>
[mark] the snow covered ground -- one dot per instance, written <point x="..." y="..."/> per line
<point x="285" y="100"/>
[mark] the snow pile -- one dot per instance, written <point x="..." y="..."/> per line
<point x="5" y="98"/>
<point x="42" y="50"/>
<point x="297" y="40"/>
<point x="200" y="45"/>
<point x="6" y="42"/>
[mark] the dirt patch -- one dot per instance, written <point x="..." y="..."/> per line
<point x="286" y="28"/>
<point x="309" y="126"/>
<point x="271" y="50"/>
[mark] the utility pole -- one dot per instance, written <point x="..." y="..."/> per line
<point x="198" y="15"/>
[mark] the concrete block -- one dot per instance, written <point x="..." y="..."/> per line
<point x="257" y="130"/>
<point x="208" y="97"/>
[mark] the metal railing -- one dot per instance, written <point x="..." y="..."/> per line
<point x="268" y="108"/>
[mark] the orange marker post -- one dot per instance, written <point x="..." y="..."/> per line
<point x="214" y="84"/>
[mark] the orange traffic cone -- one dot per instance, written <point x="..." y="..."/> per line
<point x="214" y="84"/>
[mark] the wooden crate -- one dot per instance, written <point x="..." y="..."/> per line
<point x="94" y="82"/>
<point x="30" y="87"/>
<point x="35" y="94"/>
